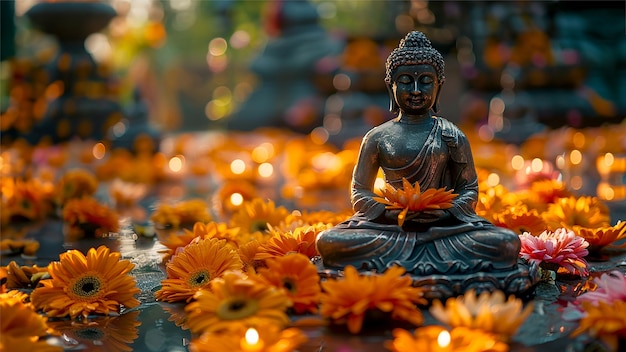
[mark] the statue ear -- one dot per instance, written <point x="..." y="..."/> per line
<point x="393" y="106"/>
<point x="435" y="107"/>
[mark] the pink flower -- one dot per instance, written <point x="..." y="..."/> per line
<point x="611" y="287"/>
<point x="561" y="247"/>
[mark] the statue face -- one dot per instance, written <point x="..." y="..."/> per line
<point x="415" y="88"/>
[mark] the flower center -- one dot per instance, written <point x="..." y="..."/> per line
<point x="237" y="308"/>
<point x="90" y="334"/>
<point x="199" y="278"/>
<point x="290" y="285"/>
<point x="258" y="225"/>
<point x="87" y="286"/>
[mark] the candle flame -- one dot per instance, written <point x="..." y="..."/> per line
<point x="252" y="336"/>
<point x="444" y="338"/>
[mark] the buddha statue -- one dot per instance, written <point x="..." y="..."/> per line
<point x="448" y="251"/>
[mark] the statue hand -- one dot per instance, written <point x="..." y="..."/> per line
<point x="430" y="215"/>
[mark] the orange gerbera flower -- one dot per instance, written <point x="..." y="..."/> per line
<point x="489" y="312"/>
<point x="236" y="301"/>
<point x="102" y="334"/>
<point x="605" y="321"/>
<point x="86" y="216"/>
<point x="76" y="183"/>
<point x="583" y="211"/>
<point x="548" y="191"/>
<point x="26" y="247"/>
<point x="519" y="219"/>
<point x="301" y="240"/>
<point x="298" y="277"/>
<point x="299" y="218"/>
<point x="81" y="285"/>
<point x="21" y="327"/>
<point x="25" y="276"/>
<point x="346" y="300"/>
<point x="28" y="200"/>
<point x="254" y="216"/>
<point x="194" y="267"/>
<point x="411" y="198"/>
<point x="231" y="196"/>
<point x="492" y="200"/>
<point x="601" y="237"/>
<point x="180" y="214"/>
<point x="247" y="252"/>
<point x="268" y="338"/>
<point x="437" y="338"/>
<point x="200" y="230"/>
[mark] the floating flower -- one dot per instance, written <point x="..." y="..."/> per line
<point x="298" y="277"/>
<point x="587" y="212"/>
<point x="489" y="312"/>
<point x="80" y="285"/>
<point x="236" y="301"/>
<point x="548" y="191"/>
<point x="88" y="217"/>
<point x="519" y="219"/>
<point x="125" y="194"/>
<point x="562" y="248"/>
<point x="21" y="326"/>
<point x="102" y="334"/>
<point x="346" y="300"/>
<point x="254" y="216"/>
<point x="437" y="338"/>
<point x="193" y="268"/>
<point x="601" y="237"/>
<point x="76" y="183"/>
<point x="200" y="230"/>
<point x="299" y="218"/>
<point x="605" y="321"/>
<point x="231" y="196"/>
<point x="301" y="240"/>
<point x="27" y="247"/>
<point x="25" y="200"/>
<point x="263" y="338"/>
<point x="24" y="276"/>
<point x="181" y="214"/>
<point x="411" y="198"/>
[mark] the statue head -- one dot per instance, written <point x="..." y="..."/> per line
<point x="414" y="49"/>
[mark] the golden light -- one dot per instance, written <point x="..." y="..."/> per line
<point x="444" y="339"/>
<point x="251" y="341"/>
<point x="236" y="199"/>
<point x="493" y="179"/>
<point x="266" y="170"/>
<point x="560" y="161"/>
<point x="237" y="166"/>
<point x="379" y="183"/>
<point x="176" y="163"/>
<point x="262" y="152"/>
<point x="98" y="150"/>
<point x="576" y="182"/>
<point x="578" y="139"/>
<point x="319" y="135"/>
<point x="575" y="157"/>
<point x="517" y="162"/>
<point x="605" y="191"/>
<point x="536" y="165"/>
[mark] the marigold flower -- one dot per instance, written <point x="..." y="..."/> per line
<point x="346" y="300"/>
<point x="193" y="268"/>
<point x="101" y="334"/>
<point x="24" y="276"/>
<point x="411" y="198"/>
<point x="587" y="212"/>
<point x="254" y="216"/>
<point x="269" y="337"/>
<point x="86" y="217"/>
<point x="298" y="277"/>
<point x="180" y="214"/>
<point x="562" y="248"/>
<point x="437" y="338"/>
<point x="80" y="285"/>
<point x="601" y="237"/>
<point x="300" y="240"/>
<point x="490" y="312"/>
<point x="236" y="301"/>
<point x="605" y="321"/>
<point x="76" y="183"/>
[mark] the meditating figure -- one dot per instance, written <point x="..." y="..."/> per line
<point x="437" y="245"/>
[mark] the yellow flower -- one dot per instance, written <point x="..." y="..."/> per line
<point x="491" y="201"/>
<point x="346" y="300"/>
<point x="605" y="321"/>
<point x="76" y="183"/>
<point x="25" y="276"/>
<point x="234" y="301"/>
<point x="86" y="216"/>
<point x="411" y="198"/>
<point x="101" y="334"/>
<point x="602" y="236"/>
<point x="583" y="211"/>
<point x="21" y="326"/>
<point x="489" y="312"/>
<point x="80" y="285"/>
<point x="437" y="338"/>
<point x="254" y="216"/>
<point x="298" y="277"/>
<point x="519" y="219"/>
<point x="194" y="267"/>
<point x="269" y="336"/>
<point x="180" y="214"/>
<point x="301" y="240"/>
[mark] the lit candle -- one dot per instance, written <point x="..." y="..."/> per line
<point x="251" y="341"/>
<point x="443" y="340"/>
